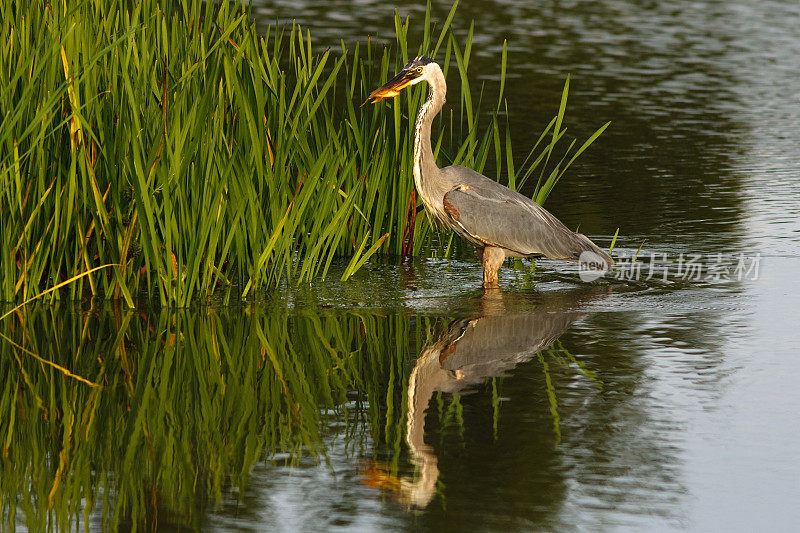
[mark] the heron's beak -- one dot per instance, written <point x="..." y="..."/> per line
<point x="391" y="88"/>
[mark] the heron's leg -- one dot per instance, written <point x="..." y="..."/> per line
<point x="492" y="258"/>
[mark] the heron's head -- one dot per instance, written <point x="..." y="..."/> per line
<point x="415" y="71"/>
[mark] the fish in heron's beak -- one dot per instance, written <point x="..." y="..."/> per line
<point x="392" y="88"/>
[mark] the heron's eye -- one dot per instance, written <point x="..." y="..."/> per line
<point x="419" y="70"/>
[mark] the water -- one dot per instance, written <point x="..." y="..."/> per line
<point x="556" y="405"/>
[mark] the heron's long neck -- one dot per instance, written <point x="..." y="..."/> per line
<point x="425" y="169"/>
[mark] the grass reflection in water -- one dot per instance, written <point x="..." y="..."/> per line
<point x="189" y="401"/>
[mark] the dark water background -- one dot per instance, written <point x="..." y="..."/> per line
<point x="655" y="405"/>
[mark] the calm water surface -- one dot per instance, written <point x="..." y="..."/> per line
<point x="417" y="401"/>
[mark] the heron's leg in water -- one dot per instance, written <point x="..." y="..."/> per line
<point x="491" y="257"/>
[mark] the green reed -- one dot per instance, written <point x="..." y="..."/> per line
<point x="170" y="140"/>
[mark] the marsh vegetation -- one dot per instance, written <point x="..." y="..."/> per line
<point x="191" y="155"/>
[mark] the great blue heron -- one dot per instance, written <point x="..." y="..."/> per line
<point x="498" y="221"/>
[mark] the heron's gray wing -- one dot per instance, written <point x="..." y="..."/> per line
<point x="492" y="215"/>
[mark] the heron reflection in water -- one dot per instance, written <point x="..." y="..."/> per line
<point x="498" y="221"/>
<point x="463" y="357"/>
